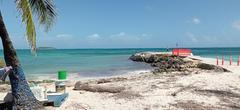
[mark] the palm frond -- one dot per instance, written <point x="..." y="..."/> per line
<point x="27" y="17"/>
<point x="45" y="11"/>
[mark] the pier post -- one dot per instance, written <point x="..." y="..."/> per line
<point x="238" y="61"/>
<point x="222" y="60"/>
<point x="230" y="61"/>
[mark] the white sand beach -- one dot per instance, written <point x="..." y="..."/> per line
<point x="198" y="90"/>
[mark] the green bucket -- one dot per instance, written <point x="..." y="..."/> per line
<point x="62" y="75"/>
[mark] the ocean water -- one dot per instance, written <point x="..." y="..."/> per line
<point x="218" y="52"/>
<point x="98" y="62"/>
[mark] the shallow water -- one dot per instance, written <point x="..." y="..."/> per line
<point x="98" y="62"/>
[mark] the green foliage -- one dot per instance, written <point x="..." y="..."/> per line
<point x="25" y="9"/>
<point x="45" y="12"/>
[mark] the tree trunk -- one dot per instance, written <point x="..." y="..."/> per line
<point x="23" y="97"/>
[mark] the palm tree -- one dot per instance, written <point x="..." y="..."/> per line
<point x="44" y="11"/>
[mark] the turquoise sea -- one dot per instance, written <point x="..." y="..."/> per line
<point x="99" y="62"/>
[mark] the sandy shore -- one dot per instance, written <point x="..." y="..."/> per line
<point x="196" y="90"/>
<point x="202" y="90"/>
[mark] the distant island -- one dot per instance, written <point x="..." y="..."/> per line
<point x="45" y="48"/>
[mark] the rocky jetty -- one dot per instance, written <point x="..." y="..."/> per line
<point x="166" y="62"/>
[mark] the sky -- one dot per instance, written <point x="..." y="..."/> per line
<point x="133" y="24"/>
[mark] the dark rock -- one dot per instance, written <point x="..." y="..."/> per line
<point x="144" y="57"/>
<point x="136" y="58"/>
<point x="211" y="67"/>
<point x="169" y="63"/>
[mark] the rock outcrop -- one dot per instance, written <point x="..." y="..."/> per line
<point x="163" y="62"/>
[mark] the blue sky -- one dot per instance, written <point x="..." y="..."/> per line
<point x="134" y="24"/>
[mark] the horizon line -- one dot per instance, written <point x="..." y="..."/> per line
<point x="127" y="48"/>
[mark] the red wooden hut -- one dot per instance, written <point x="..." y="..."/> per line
<point x="182" y="52"/>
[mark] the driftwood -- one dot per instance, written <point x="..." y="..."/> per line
<point x="98" y="88"/>
<point x="108" y="80"/>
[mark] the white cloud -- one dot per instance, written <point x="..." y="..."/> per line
<point x="196" y="20"/>
<point x="124" y="37"/>
<point x="121" y="34"/>
<point x="210" y="39"/>
<point x="144" y="35"/>
<point x="64" y="36"/>
<point x="204" y="40"/>
<point x="121" y="39"/>
<point x="93" y="37"/>
<point x="191" y="36"/>
<point x="96" y="40"/>
<point x="236" y="25"/>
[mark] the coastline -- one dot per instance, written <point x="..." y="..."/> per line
<point x="77" y="77"/>
<point x="149" y="91"/>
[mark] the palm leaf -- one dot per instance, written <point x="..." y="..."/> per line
<point x="45" y="10"/>
<point x="27" y="18"/>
